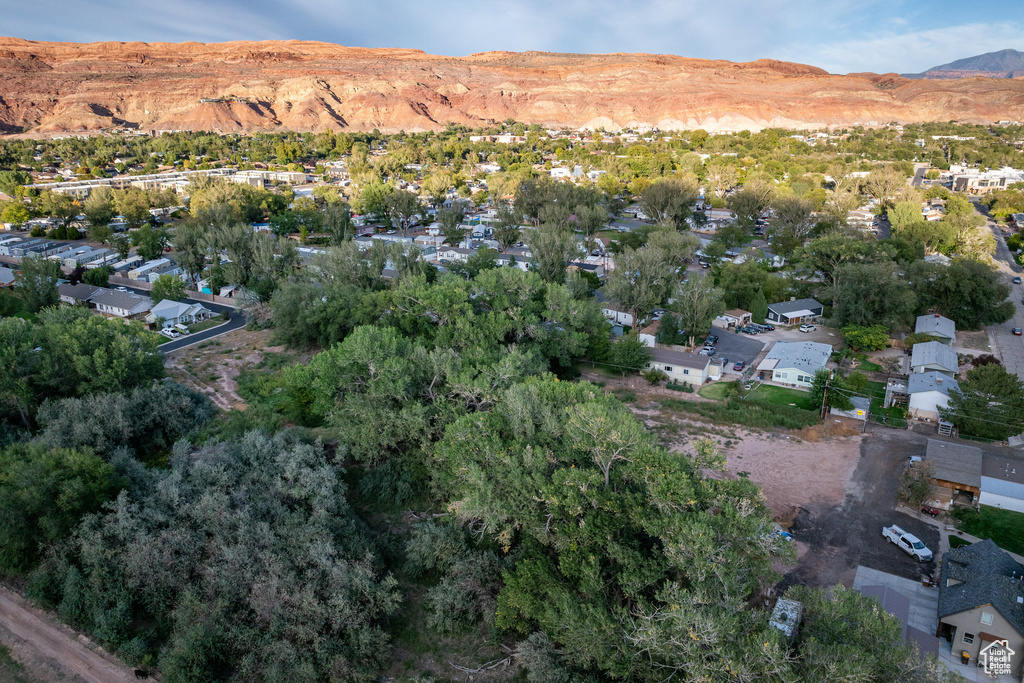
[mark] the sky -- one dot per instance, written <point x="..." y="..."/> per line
<point x="841" y="36"/>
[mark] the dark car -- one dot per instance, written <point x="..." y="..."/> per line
<point x="1017" y="331"/>
<point x="738" y="365"/>
<point x="1016" y="280"/>
<point x="711" y="340"/>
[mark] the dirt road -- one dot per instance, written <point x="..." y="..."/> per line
<point x="49" y="649"/>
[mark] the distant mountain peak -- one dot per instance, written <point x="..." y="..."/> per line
<point x="1002" y="64"/>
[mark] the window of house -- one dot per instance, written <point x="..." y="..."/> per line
<point x="782" y="375"/>
<point x="686" y="371"/>
<point x="668" y="368"/>
<point x="968" y="638"/>
<point x="986" y="618"/>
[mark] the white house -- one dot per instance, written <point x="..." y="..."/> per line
<point x="928" y="392"/>
<point x="618" y="317"/>
<point x="691" y="368"/>
<point x="139" y="273"/>
<point x="175" y="312"/>
<point x="940" y="327"/>
<point x="121" y="304"/>
<point x="1002" y="482"/>
<point x="936" y="356"/>
<point x="454" y="254"/>
<point x="795" y="362"/>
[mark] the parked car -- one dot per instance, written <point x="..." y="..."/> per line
<point x="1017" y="331"/>
<point x="747" y="329"/>
<point x="907" y="542"/>
<point x="705" y="265"/>
<point x="181" y="328"/>
<point x="807" y="328"/>
<point x="172" y="333"/>
<point x="707" y="352"/>
<point x="120" y="289"/>
<point x="711" y="340"/>
<point x="1016" y="279"/>
<point x="738" y="365"/>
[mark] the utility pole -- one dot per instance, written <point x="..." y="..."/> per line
<point x="824" y="399"/>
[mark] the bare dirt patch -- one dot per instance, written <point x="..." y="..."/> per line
<point x="212" y="367"/>
<point x="977" y="341"/>
<point x="49" y="650"/>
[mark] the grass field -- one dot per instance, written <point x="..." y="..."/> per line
<point x="957" y="542"/>
<point x="781" y="396"/>
<point x="10" y="670"/>
<point x="716" y="391"/>
<point x="207" y="324"/>
<point x="761" y="415"/>
<point x="1002" y="526"/>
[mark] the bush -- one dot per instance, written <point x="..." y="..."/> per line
<point x="873" y="338"/>
<point x="654" y="376"/>
<point x="747" y="413"/>
<point x="684" y="387"/>
<point x="629" y="354"/>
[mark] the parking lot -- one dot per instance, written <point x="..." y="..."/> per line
<point x="737" y="347"/>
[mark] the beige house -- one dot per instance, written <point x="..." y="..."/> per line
<point x="690" y="368"/>
<point x="981" y="602"/>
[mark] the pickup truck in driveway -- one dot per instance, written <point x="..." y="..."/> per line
<point x="907" y="542"/>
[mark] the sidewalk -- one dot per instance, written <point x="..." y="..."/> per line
<point x="945" y="532"/>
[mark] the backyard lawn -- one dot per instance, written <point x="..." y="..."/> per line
<point x="716" y="391"/>
<point x="781" y="396"/>
<point x="1002" y="526"/>
<point x="207" y="324"/>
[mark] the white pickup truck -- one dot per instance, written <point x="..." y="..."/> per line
<point x="907" y="542"/>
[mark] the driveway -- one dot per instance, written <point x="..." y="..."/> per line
<point x="835" y="540"/>
<point x="1009" y="348"/>
<point x="737" y="347"/>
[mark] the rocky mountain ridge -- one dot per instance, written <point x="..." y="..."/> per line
<point x="57" y="88"/>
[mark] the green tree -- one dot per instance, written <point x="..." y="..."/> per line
<point x="629" y="354"/>
<point x="792" y="225"/>
<point x="133" y="204"/>
<point x="507" y="230"/>
<point x="669" y="202"/>
<point x="759" y="307"/>
<point x="99" y="211"/>
<point x="38" y="284"/>
<point x="862" y="338"/>
<point x="122" y="245"/>
<point x="98" y="277"/>
<point x="168" y="287"/>
<point x="553" y="247"/>
<point x="828" y="387"/>
<point x="15" y="213"/>
<point x="44" y="493"/>
<point x="698" y="302"/>
<point x="968" y="292"/>
<point x="989" y="403"/>
<point x="150" y="241"/>
<point x="641" y="280"/>
<point x="873" y="294"/>
<point x="402" y="206"/>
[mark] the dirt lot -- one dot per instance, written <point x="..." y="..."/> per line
<point x="213" y="366"/>
<point x="49" y="650"/>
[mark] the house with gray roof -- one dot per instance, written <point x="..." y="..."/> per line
<point x="981" y="601"/>
<point x="7" y="277"/>
<point x="794" y="311"/>
<point x="122" y="304"/>
<point x="77" y="294"/>
<point x="794" y="363"/>
<point x="941" y="328"/>
<point x="691" y="368"/>
<point x="956" y="474"/>
<point x="934" y="356"/>
<point x="1002" y="481"/>
<point x="928" y="392"/>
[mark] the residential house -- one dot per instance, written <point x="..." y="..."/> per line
<point x="1002" y="482"/>
<point x="794" y="312"/>
<point x="7" y="277"/>
<point x="934" y="356"/>
<point x="175" y="312"/>
<point x="938" y="259"/>
<point x="898" y="605"/>
<point x="128" y="264"/>
<point x="957" y="473"/>
<point x="981" y="601"/>
<point x="459" y="254"/>
<point x="732" y="318"/>
<point x="941" y="328"/>
<point x="647" y="335"/>
<point x="78" y="294"/>
<point x="616" y="314"/>
<point x="928" y="392"/>
<point x="595" y="268"/>
<point x="121" y="304"/>
<point x="170" y="269"/>
<point x="795" y="363"/>
<point x="140" y="272"/>
<point x="690" y="368"/>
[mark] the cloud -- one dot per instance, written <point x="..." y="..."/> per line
<point x="912" y="51"/>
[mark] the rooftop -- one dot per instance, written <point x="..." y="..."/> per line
<point x="122" y="300"/>
<point x="931" y="381"/>
<point x="987" y="576"/>
<point x="955" y="462"/>
<point x="806" y="356"/>
<point x="687" y="360"/>
<point x="934" y="353"/>
<point x="787" y="307"/>
<point x="935" y="324"/>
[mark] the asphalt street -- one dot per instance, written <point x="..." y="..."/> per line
<point x="1007" y="346"/>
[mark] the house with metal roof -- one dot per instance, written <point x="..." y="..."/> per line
<point x="956" y="475"/>
<point x="795" y="363"/>
<point x="928" y="392"/>
<point x="934" y="356"/>
<point x="941" y="328"/>
<point x="981" y="601"/>
<point x="1002" y="482"/>
<point x="170" y="313"/>
<point x="77" y="294"/>
<point x="794" y="311"/>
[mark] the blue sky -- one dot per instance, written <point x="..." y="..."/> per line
<point x="841" y="36"/>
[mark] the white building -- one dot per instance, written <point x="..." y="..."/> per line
<point x="795" y="363"/>
<point x="928" y="392"/>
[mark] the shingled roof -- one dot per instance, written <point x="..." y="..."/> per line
<point x="987" y="576"/>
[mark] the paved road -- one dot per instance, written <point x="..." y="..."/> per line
<point x="235" y="321"/>
<point x="1008" y="347"/>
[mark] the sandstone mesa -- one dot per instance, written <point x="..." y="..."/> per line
<point x="53" y="88"/>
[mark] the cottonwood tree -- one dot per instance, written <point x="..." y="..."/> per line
<point x="402" y="206"/>
<point x="698" y="302"/>
<point x="988" y="404"/>
<point x="669" y="202"/>
<point x="37" y="286"/>
<point x="641" y="280"/>
<point x="873" y="293"/>
<point x="553" y="247"/>
<point x="449" y="222"/>
<point x="507" y="229"/>
<point x="884" y="185"/>
<point x="792" y="224"/>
